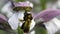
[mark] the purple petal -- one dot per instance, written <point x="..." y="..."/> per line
<point x="48" y="14"/>
<point x="22" y="4"/>
<point x="3" y="18"/>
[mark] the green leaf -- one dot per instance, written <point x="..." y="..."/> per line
<point x="20" y="31"/>
<point x="3" y="32"/>
<point x="41" y="30"/>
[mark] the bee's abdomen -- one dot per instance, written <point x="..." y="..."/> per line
<point x="25" y="27"/>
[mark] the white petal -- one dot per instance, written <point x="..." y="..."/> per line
<point x="33" y="32"/>
<point x="52" y="26"/>
<point x="13" y="21"/>
<point x="57" y="22"/>
<point x="58" y="3"/>
<point x="31" y="5"/>
<point x="20" y="16"/>
<point x="7" y="10"/>
<point x="32" y="25"/>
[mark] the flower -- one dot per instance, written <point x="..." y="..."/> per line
<point x="3" y="18"/>
<point x="47" y="14"/>
<point x="48" y="17"/>
<point x="4" y="23"/>
<point x="24" y="4"/>
<point x="14" y="20"/>
<point x="17" y="17"/>
<point x="7" y="9"/>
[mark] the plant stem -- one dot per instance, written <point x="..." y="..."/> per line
<point x="20" y="31"/>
